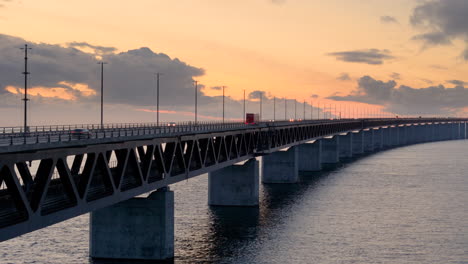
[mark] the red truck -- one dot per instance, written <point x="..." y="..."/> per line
<point x="251" y="119"/>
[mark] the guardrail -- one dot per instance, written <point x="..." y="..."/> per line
<point x="12" y="136"/>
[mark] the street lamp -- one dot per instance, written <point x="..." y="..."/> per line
<point x="102" y="93"/>
<point x="196" y="99"/>
<point x="25" y="89"/>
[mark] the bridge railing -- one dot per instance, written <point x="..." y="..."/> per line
<point x="64" y="133"/>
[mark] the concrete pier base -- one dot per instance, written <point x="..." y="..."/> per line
<point x="281" y="167"/>
<point x="235" y="185"/>
<point x="358" y="143"/>
<point x="346" y="146"/>
<point x="368" y="143"/>
<point x="310" y="156"/>
<point x="463" y="130"/>
<point x="403" y="135"/>
<point x="455" y="131"/>
<point x="378" y="139"/>
<point x="395" y="137"/>
<point x="139" y="228"/>
<point x="331" y="150"/>
<point x="387" y="137"/>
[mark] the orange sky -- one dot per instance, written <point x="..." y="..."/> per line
<point x="248" y="44"/>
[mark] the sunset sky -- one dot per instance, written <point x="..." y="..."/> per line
<point x="402" y="56"/>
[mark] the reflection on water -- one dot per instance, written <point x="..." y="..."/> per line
<point x="405" y="205"/>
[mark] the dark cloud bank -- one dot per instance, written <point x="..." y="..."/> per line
<point x="407" y="100"/>
<point x="369" y="56"/>
<point x="442" y="21"/>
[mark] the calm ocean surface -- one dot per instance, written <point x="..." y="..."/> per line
<point x="405" y="205"/>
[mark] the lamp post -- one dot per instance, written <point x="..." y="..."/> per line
<point x="223" y="101"/>
<point x="196" y="100"/>
<point x="25" y="99"/>
<point x="285" y="108"/>
<point x="244" y="108"/>
<point x="274" y="108"/>
<point x="102" y="93"/>
<point x="157" y="98"/>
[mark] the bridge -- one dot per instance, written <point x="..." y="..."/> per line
<point x="48" y="174"/>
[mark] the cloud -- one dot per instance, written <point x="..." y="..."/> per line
<point x="216" y="88"/>
<point x="395" y="76"/>
<point x="438" y="67"/>
<point x="100" y="50"/>
<point x="344" y="77"/>
<point x="427" y="81"/>
<point x="433" y="38"/>
<point x="315" y="96"/>
<point x="457" y="82"/>
<point x="408" y="100"/>
<point x="257" y="94"/>
<point x="278" y="2"/>
<point x="442" y="21"/>
<point x="388" y="20"/>
<point x="64" y="86"/>
<point x="369" y="56"/>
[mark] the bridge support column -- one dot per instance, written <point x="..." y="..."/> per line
<point x="346" y="146"/>
<point x="463" y="130"/>
<point x="447" y="133"/>
<point x="378" y="139"/>
<point x="387" y="137"/>
<point x="395" y="136"/>
<point x="455" y="130"/>
<point x="310" y="156"/>
<point x="358" y="143"/>
<point x="331" y="150"/>
<point x="368" y="136"/>
<point x="139" y="228"/>
<point x="437" y="131"/>
<point x="403" y="135"/>
<point x="235" y="185"/>
<point x="281" y="167"/>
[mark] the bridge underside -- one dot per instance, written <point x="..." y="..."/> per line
<point x="66" y="182"/>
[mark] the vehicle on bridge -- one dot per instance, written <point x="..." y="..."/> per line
<point x="80" y="133"/>
<point x="251" y="119"/>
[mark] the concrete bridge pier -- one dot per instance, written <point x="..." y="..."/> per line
<point x="138" y="229"/>
<point x="331" y="150"/>
<point x="310" y="156"/>
<point x="455" y="130"/>
<point x="403" y="135"/>
<point x="346" y="146"/>
<point x="368" y="143"/>
<point x="387" y="137"/>
<point x="411" y="134"/>
<point x="395" y="136"/>
<point x="378" y="139"/>
<point x="235" y="185"/>
<point x="437" y="131"/>
<point x="358" y="143"/>
<point x="281" y="167"/>
<point x="463" y="130"/>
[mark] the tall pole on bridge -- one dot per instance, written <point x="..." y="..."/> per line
<point x="304" y="110"/>
<point x="157" y="98"/>
<point x="285" y="108"/>
<point x="196" y="98"/>
<point x="25" y="99"/>
<point x="261" y="98"/>
<point x="102" y="93"/>
<point x="295" y="109"/>
<point x="274" y="108"/>
<point x="223" y="101"/>
<point x="244" y="108"/>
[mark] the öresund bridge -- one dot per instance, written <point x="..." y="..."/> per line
<point x="48" y="175"/>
